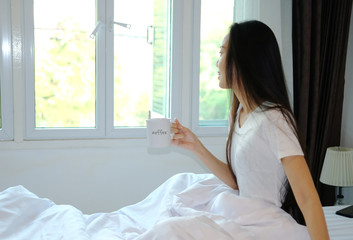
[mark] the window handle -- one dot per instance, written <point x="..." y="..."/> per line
<point x="125" y="25"/>
<point x="150" y="35"/>
<point x="100" y="25"/>
<point x="96" y="29"/>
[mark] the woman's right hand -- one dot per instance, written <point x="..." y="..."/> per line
<point x="184" y="137"/>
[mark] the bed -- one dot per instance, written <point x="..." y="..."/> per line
<point x="23" y="215"/>
<point x="339" y="227"/>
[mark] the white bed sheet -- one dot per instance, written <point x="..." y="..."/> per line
<point x="339" y="227"/>
<point x="187" y="206"/>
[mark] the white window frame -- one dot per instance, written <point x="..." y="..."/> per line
<point x="6" y="131"/>
<point x="104" y="75"/>
<point x="200" y="130"/>
<point x="59" y="133"/>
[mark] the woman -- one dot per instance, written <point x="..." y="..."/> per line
<point x="263" y="149"/>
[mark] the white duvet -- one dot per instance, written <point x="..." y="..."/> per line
<point x="187" y="206"/>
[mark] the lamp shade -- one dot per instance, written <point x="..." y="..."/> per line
<point x="338" y="167"/>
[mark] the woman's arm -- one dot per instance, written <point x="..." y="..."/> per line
<point x="185" y="138"/>
<point x="305" y="193"/>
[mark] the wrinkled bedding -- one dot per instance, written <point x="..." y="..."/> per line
<point x="187" y="206"/>
<point x="339" y="227"/>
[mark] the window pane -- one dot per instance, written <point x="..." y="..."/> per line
<point x="216" y="18"/>
<point x="141" y="61"/>
<point x="64" y="63"/>
<point x="0" y="105"/>
<point x="161" y="59"/>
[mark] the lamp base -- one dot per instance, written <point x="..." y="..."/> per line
<point x="339" y="200"/>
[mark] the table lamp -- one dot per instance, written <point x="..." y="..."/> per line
<point x="338" y="170"/>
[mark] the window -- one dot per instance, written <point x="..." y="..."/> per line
<point x="6" y="113"/>
<point x="215" y="21"/>
<point x="86" y="74"/>
<point x="141" y="61"/>
<point x="96" y="73"/>
<point x="211" y="109"/>
<point x="64" y="64"/>
<point x="101" y="72"/>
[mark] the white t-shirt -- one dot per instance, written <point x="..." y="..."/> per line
<point x="257" y="149"/>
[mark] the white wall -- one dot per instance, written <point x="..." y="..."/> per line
<point x="347" y="118"/>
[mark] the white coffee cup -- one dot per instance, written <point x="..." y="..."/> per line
<point x="158" y="132"/>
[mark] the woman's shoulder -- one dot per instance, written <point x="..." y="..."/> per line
<point x="272" y="115"/>
<point x="267" y="111"/>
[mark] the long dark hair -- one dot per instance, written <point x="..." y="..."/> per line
<point x="253" y="65"/>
